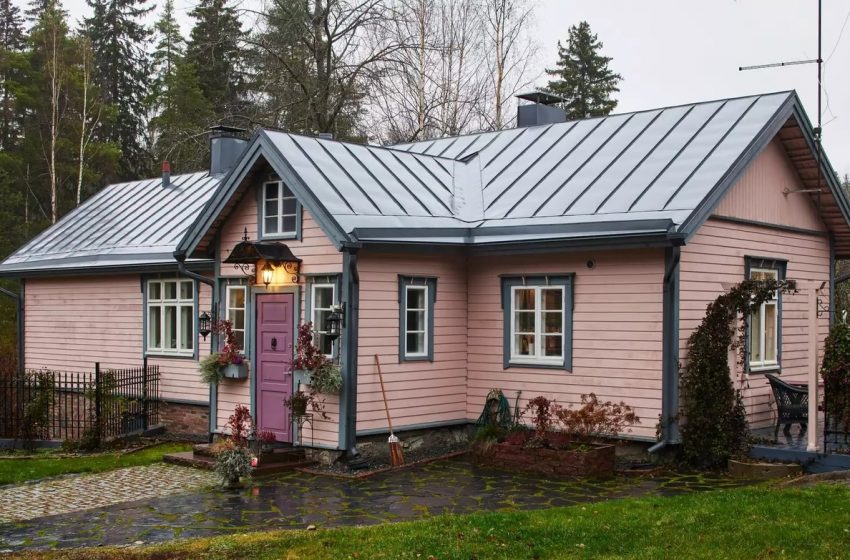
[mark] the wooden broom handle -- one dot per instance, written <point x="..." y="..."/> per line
<point x="381" y="379"/>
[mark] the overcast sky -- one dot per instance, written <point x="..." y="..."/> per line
<point x="679" y="51"/>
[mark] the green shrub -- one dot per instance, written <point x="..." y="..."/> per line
<point x="211" y="368"/>
<point x="835" y="371"/>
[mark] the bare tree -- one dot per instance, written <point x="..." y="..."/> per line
<point x="323" y="47"/>
<point x="509" y="50"/>
<point x="90" y="111"/>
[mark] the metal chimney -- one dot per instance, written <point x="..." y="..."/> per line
<point x="226" y="146"/>
<point x="540" y="110"/>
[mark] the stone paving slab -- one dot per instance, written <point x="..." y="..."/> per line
<point x="78" y="492"/>
<point x="295" y="500"/>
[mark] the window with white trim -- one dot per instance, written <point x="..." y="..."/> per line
<point x="235" y="312"/>
<point x="764" y="326"/>
<point x="417" y="296"/>
<point x="280" y="210"/>
<point x="322" y="298"/>
<point x="537" y="324"/>
<point x="171" y="316"/>
<point x="416" y="321"/>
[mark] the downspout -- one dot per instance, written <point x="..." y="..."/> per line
<point x="19" y="310"/>
<point x="670" y="351"/>
<point x="181" y="267"/>
<point x="348" y="402"/>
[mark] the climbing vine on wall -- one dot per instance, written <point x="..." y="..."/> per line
<point x="714" y="422"/>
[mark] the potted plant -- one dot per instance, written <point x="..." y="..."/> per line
<point x="297" y="403"/>
<point x="311" y="367"/>
<point x="229" y="363"/>
<point x="232" y="462"/>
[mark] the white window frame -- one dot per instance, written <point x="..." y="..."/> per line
<point x="281" y="188"/>
<point x="228" y="308"/>
<point x="314" y="311"/>
<point x="764" y="364"/>
<point x="424" y="310"/>
<point x="539" y="334"/>
<point x="162" y="303"/>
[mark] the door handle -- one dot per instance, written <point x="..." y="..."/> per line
<point x="274" y="343"/>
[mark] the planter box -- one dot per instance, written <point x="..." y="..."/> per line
<point x="763" y="471"/>
<point x="589" y="460"/>
<point x="233" y="371"/>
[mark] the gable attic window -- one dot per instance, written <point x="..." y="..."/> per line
<point x="280" y="210"/>
<point x="537" y="321"/>
<point x="171" y="317"/>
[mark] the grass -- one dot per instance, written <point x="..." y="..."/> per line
<point x="758" y="522"/>
<point x="20" y="470"/>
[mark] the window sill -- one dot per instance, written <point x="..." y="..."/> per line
<point x="288" y="235"/>
<point x="765" y="369"/>
<point x="403" y="359"/>
<point x="538" y="365"/>
<point x="167" y="356"/>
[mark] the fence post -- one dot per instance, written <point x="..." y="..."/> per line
<point x="97" y="410"/>
<point x="145" y="393"/>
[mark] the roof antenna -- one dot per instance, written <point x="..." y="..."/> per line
<point x="819" y="128"/>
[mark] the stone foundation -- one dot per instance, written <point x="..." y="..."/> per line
<point x="375" y="446"/>
<point x="185" y="420"/>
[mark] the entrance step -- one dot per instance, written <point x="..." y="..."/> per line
<point x="277" y="460"/>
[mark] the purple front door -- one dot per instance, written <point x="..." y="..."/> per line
<point x="274" y="370"/>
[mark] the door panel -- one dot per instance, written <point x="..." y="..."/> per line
<point x="275" y="338"/>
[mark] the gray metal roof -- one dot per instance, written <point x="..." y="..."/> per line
<point x="138" y="223"/>
<point x="630" y="171"/>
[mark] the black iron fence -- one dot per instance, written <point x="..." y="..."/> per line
<point x="91" y="406"/>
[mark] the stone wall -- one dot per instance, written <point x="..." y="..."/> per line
<point x="185" y="420"/>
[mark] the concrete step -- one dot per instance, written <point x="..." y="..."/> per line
<point x="276" y="463"/>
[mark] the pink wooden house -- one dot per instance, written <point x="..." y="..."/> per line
<point x="557" y="258"/>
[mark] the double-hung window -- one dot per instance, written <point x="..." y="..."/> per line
<point x="235" y="312"/>
<point x="538" y="321"/>
<point x="763" y="343"/>
<point x="171" y="316"/>
<point x="322" y="297"/>
<point x="280" y="210"/>
<point x="417" y="296"/>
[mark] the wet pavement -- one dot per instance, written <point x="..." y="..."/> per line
<point x="296" y="500"/>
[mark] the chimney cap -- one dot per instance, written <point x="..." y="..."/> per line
<point x="541" y="97"/>
<point x="224" y="130"/>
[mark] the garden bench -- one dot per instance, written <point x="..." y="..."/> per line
<point x="792" y="404"/>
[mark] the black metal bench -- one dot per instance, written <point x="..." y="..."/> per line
<point x="792" y="404"/>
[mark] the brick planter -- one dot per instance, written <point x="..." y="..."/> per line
<point x="584" y="461"/>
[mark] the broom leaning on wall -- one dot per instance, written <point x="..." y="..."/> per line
<point x="396" y="456"/>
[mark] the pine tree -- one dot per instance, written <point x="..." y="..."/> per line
<point x="169" y="49"/>
<point x="180" y="131"/>
<point x="11" y="46"/>
<point x="582" y="75"/>
<point x="122" y="72"/>
<point x="214" y="50"/>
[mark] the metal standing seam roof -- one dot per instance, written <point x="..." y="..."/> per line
<point x="125" y="224"/>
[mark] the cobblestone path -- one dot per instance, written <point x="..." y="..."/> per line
<point x="77" y="492"/>
<point x="295" y="500"/>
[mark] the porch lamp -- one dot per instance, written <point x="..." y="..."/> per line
<point x="334" y="322"/>
<point x="204" y="328"/>
<point x="268" y="274"/>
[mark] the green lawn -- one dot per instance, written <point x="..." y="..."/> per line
<point x="758" y="522"/>
<point x="20" y="470"/>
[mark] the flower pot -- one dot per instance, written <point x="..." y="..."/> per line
<point x="236" y="371"/>
<point x="299" y="408"/>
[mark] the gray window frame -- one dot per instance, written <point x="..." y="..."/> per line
<point x="781" y="268"/>
<point x="430" y="283"/>
<point x="145" y="279"/>
<point x="309" y="281"/>
<point x="564" y="280"/>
